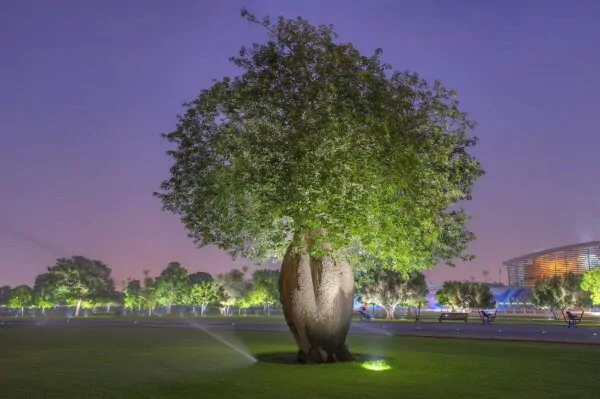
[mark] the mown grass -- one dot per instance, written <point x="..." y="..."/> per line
<point x="75" y="361"/>
<point x="503" y="318"/>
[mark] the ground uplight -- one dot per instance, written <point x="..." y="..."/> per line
<point x="376" y="365"/>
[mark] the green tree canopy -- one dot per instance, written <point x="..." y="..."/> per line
<point x="132" y="294"/>
<point x="590" y="282"/>
<point x="206" y="292"/>
<point x="149" y="294"/>
<point x="43" y="288"/>
<point x="172" y="285"/>
<point x="21" y="296"/>
<point x="465" y="295"/>
<point x="265" y="288"/>
<point x="199" y="277"/>
<point x="390" y="288"/>
<point x="314" y="136"/>
<point x="560" y="292"/>
<point x="78" y="279"/>
<point x="235" y="286"/>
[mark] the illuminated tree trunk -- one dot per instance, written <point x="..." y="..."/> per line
<point x="317" y="296"/>
<point x="390" y="310"/>
<point x="78" y="307"/>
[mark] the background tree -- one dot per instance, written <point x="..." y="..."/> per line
<point x="249" y="299"/>
<point x="315" y="150"/>
<point x="466" y="295"/>
<point x="4" y="294"/>
<point x="265" y="288"/>
<point x="149" y="295"/>
<point x="199" y="277"/>
<point x="390" y="288"/>
<point x="205" y="293"/>
<point x="43" y="289"/>
<point x="132" y="295"/>
<point x="172" y="285"/>
<point x="107" y="299"/>
<point x="79" y="279"/>
<point x="21" y="297"/>
<point x="560" y="293"/>
<point x="479" y="296"/>
<point x="234" y="286"/>
<point x="590" y="282"/>
<point x="449" y="295"/>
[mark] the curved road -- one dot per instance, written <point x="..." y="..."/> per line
<point x="521" y="332"/>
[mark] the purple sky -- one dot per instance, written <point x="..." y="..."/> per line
<point x="87" y="86"/>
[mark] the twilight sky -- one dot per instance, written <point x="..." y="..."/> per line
<point x="87" y="86"/>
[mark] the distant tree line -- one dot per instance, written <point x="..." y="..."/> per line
<point x="83" y="283"/>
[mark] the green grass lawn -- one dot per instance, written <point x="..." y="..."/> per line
<point x="135" y="362"/>
<point x="427" y="317"/>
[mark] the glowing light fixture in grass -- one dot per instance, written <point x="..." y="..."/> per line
<point x="376" y="365"/>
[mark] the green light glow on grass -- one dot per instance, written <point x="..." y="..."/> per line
<point x="376" y="365"/>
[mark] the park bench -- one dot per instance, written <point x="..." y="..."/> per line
<point x="487" y="318"/>
<point x="453" y="316"/>
<point x="573" y="317"/>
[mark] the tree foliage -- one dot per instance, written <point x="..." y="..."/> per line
<point x="21" y="297"/>
<point x="149" y="295"/>
<point x="265" y="288"/>
<point x="235" y="286"/>
<point x="79" y="279"/>
<point x="172" y="285"/>
<point x="590" y="282"/>
<point x="199" y="277"/>
<point x="465" y="295"/>
<point x="314" y="136"/>
<point x="390" y="288"/>
<point x="132" y="294"/>
<point x="560" y="292"/>
<point x="205" y="293"/>
<point x="43" y="288"/>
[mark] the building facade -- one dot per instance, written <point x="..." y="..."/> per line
<point x="526" y="270"/>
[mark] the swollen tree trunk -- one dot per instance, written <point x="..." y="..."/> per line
<point x="317" y="296"/>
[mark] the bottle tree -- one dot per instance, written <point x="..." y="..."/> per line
<point x="314" y="153"/>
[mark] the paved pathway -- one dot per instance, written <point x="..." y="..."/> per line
<point x="548" y="333"/>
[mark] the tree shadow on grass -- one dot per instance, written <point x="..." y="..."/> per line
<point x="291" y="358"/>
